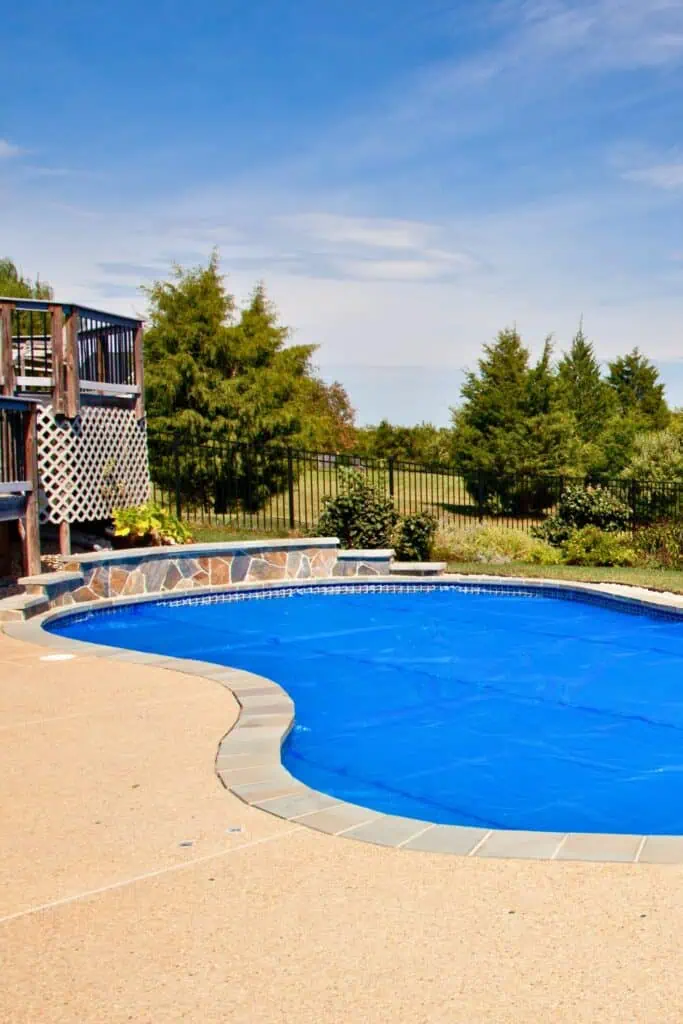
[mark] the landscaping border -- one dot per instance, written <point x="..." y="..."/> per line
<point x="248" y="761"/>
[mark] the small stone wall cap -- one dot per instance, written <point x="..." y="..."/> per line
<point x="372" y="555"/>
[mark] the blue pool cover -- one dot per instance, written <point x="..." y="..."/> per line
<point x="493" y="708"/>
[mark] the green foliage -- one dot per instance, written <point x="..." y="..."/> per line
<point x="227" y="379"/>
<point x="414" y="537"/>
<point x="584" y="506"/>
<point x="583" y="392"/>
<point x="360" y="515"/>
<point x="149" y="524"/>
<point x="638" y="390"/>
<point x="423" y="443"/>
<point x="512" y="425"/>
<point x="14" y="285"/>
<point x="657" y="454"/>
<point x="661" y="545"/>
<point x="592" y="546"/>
<point x="492" y="545"/>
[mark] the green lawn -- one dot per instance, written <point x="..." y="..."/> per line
<point x="654" y="579"/>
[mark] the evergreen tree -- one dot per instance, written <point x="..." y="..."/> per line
<point x="212" y="375"/>
<point x="583" y="391"/>
<point x="639" y="393"/>
<point x="510" y="424"/>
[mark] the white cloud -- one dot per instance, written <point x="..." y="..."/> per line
<point x="374" y="232"/>
<point x="9" y="150"/>
<point x="665" y="176"/>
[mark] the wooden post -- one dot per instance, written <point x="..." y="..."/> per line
<point x="139" y="372"/>
<point x="31" y="538"/>
<point x="6" y="361"/>
<point x="58" y="366"/>
<point x="73" y="392"/>
<point x="65" y="538"/>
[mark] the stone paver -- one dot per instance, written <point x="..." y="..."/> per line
<point x="589" y="846"/>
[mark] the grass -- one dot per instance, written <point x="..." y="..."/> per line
<point x="670" y="580"/>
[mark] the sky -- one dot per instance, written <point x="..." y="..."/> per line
<point x="407" y="178"/>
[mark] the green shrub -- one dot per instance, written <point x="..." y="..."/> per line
<point x="492" y="545"/>
<point x="360" y="516"/>
<point x="584" y="506"/>
<point x="661" y="545"/>
<point x="149" y="524"/>
<point x="414" y="537"/>
<point x="592" y="546"/>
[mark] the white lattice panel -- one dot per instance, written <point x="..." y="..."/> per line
<point x="91" y="465"/>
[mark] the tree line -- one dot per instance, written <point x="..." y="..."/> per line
<point x="217" y="372"/>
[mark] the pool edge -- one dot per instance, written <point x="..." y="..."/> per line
<point x="248" y="760"/>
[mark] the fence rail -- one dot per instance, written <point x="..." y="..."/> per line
<point x="275" y="488"/>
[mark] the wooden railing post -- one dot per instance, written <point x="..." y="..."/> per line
<point x="139" y="371"/>
<point x="31" y="537"/>
<point x="58" y="366"/>
<point x="6" y="360"/>
<point x="73" y="391"/>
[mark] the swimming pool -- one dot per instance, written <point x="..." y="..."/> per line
<point x="485" y="706"/>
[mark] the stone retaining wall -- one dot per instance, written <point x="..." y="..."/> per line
<point x="107" y="574"/>
<point x="174" y="569"/>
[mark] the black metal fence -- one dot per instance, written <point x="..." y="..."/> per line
<point x="272" y="488"/>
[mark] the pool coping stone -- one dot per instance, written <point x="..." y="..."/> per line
<point x="248" y="760"/>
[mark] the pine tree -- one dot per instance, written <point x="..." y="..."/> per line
<point x="583" y="391"/>
<point x="510" y="424"/>
<point x="640" y="394"/>
<point x="211" y="375"/>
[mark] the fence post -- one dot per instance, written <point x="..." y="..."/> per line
<point x="480" y="497"/>
<point x="58" y="366"/>
<point x="290" y="488"/>
<point x="390" y="462"/>
<point x="73" y="386"/>
<point x="6" y="355"/>
<point x="31" y="526"/>
<point x="138" y="358"/>
<point x="176" y="472"/>
<point x="633" y="501"/>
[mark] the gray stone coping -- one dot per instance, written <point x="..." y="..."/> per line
<point x="372" y="555"/>
<point x="249" y="765"/>
<point x="199" y="550"/>
<point x="418" y="568"/>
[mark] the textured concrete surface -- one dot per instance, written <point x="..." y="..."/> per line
<point x="107" y="767"/>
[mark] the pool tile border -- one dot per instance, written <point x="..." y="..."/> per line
<point x="248" y="761"/>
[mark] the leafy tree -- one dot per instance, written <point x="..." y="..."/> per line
<point x="210" y="374"/>
<point x="15" y="286"/>
<point x="326" y="416"/>
<point x="658" y="454"/>
<point x="638" y="390"/>
<point x="510" y="424"/>
<point x="224" y="380"/>
<point x="583" y="391"/>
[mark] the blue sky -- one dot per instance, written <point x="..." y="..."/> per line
<point x="407" y="178"/>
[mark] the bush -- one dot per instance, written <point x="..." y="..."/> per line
<point x="141" y="525"/>
<point x="584" y="506"/>
<point x="661" y="545"/>
<point x="593" y="546"/>
<point x="492" y="545"/>
<point x="360" y="516"/>
<point x="414" y="537"/>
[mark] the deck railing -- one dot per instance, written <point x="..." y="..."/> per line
<point x="67" y="350"/>
<point x="19" y="474"/>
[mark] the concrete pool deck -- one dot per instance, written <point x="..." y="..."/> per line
<point x="105" y="916"/>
